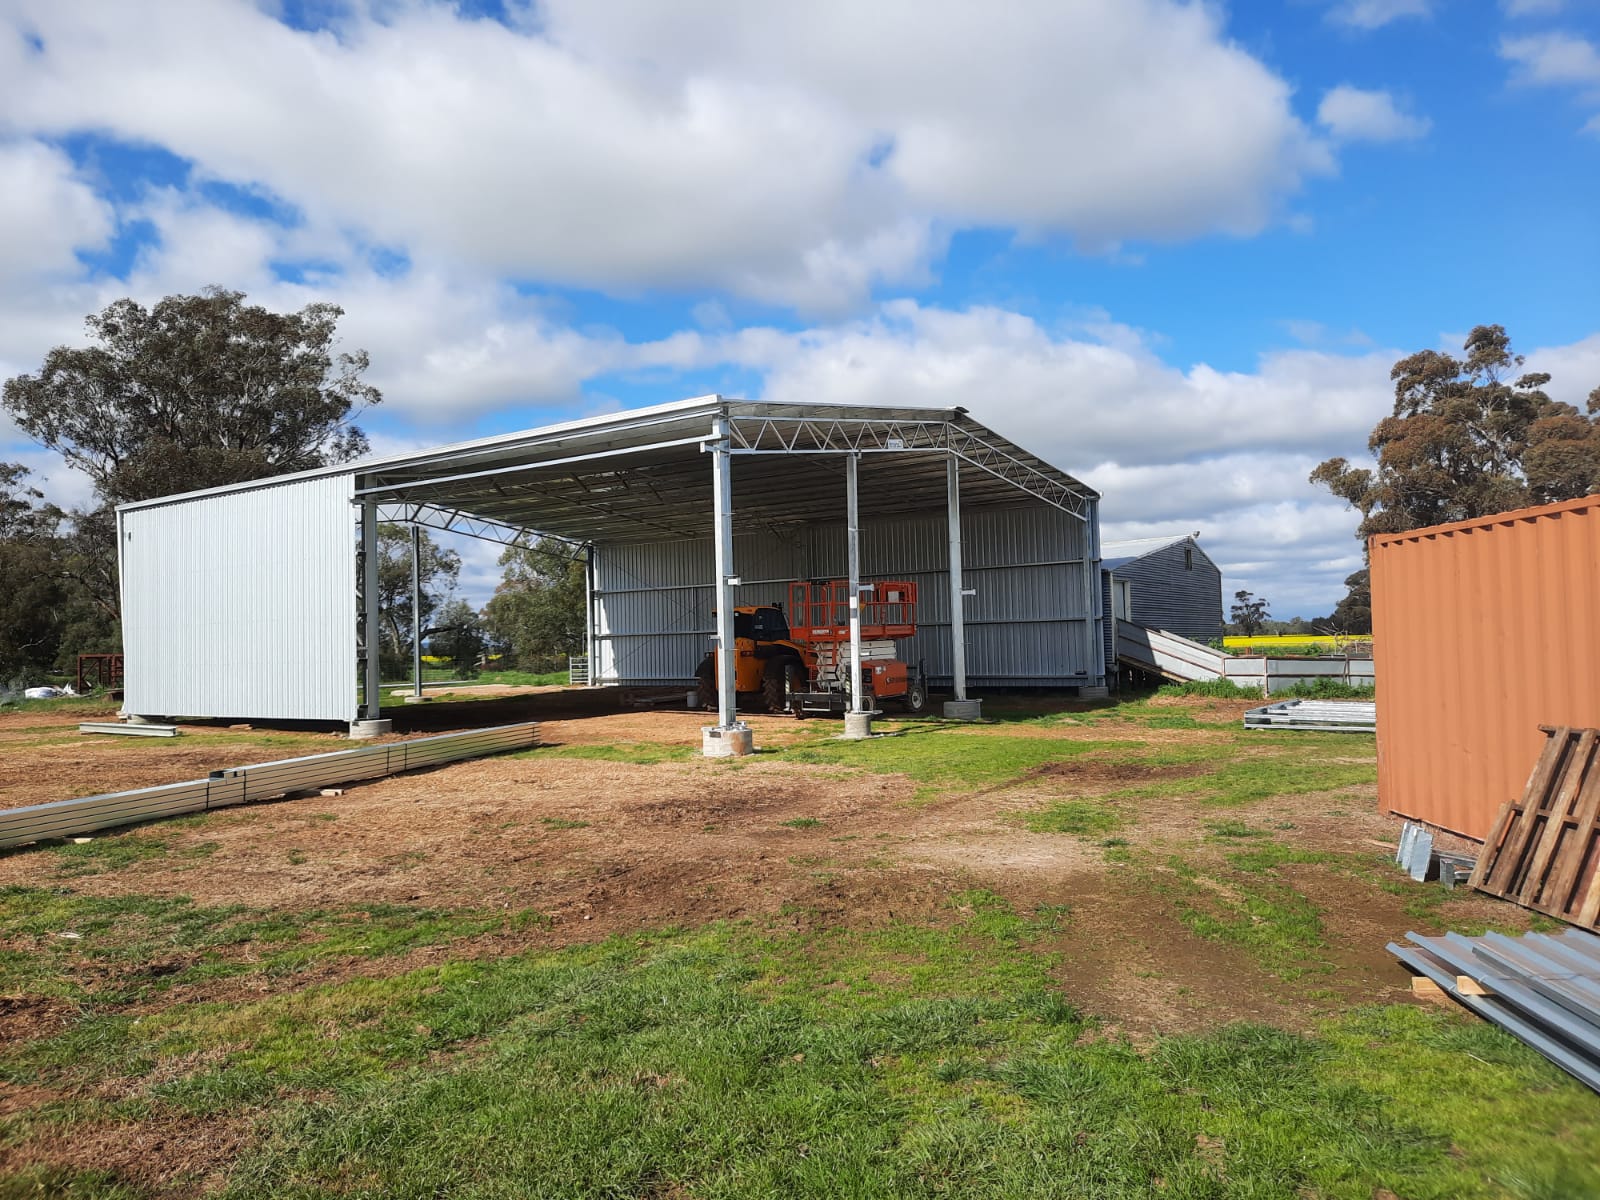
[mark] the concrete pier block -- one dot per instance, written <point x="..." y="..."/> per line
<point x="963" y="710"/>
<point x="733" y="742"/>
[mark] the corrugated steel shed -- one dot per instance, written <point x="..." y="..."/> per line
<point x="1483" y="630"/>
<point x="635" y="489"/>
<point x="1174" y="586"/>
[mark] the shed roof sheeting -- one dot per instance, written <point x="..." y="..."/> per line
<point x="1483" y="630"/>
<point x="643" y="473"/>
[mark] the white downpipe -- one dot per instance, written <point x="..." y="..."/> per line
<point x="852" y="525"/>
<point x="958" y="628"/>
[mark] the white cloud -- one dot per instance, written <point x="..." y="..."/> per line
<point x="1557" y="59"/>
<point x="1374" y="14"/>
<point x="1553" y="59"/>
<point x="1352" y="114"/>
<point x="1532" y="8"/>
<point x="796" y="155"/>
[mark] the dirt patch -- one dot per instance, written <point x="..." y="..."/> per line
<point x="1084" y="771"/>
<point x="161" y="1155"/>
<point x="24" y="1018"/>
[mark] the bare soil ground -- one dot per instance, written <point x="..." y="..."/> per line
<point x="604" y="847"/>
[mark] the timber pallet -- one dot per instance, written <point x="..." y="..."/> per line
<point x="1544" y="848"/>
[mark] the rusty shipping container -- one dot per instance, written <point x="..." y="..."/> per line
<point x="1483" y="630"/>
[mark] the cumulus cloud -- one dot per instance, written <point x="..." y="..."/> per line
<point x="1352" y="114"/>
<point x="1552" y="59"/>
<point x="795" y="155"/>
<point x="1557" y="59"/>
<point x="1374" y="14"/>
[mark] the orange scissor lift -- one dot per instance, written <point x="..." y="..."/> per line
<point x="819" y="619"/>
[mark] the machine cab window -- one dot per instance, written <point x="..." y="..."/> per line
<point x="765" y="625"/>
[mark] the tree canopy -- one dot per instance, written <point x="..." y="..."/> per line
<point x="1468" y="437"/>
<point x="196" y="392"/>
<point x="439" y="571"/>
<point x="1249" y="612"/>
<point x="538" y="609"/>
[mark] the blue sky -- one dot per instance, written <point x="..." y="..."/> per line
<point x="1174" y="248"/>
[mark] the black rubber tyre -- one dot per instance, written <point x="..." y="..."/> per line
<point x="774" y="685"/>
<point x="916" y="697"/>
<point x="705" y="677"/>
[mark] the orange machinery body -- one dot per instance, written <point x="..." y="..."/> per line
<point x="811" y="642"/>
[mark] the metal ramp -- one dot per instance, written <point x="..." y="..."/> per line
<point x="1157" y="652"/>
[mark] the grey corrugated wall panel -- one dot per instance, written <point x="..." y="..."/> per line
<point x="1168" y="596"/>
<point x="243" y="604"/>
<point x="1031" y="622"/>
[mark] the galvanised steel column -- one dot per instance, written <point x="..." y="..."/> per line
<point x="372" y="686"/>
<point x="853" y="528"/>
<point x="722" y="519"/>
<point x="416" y="611"/>
<point x="588" y="615"/>
<point x="958" y="629"/>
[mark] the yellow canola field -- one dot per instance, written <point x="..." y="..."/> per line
<point x="1285" y="641"/>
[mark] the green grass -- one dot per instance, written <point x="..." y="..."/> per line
<point x="524" y="678"/>
<point x="802" y="823"/>
<point x="1087" y="818"/>
<point x="1325" y="689"/>
<point x="1217" y="689"/>
<point x="941" y="760"/>
<point x="562" y="823"/>
<point x="114" y="852"/>
<point x="741" y="1060"/>
<point x="1251" y="908"/>
<point x="1255" y="777"/>
<point x="643" y="753"/>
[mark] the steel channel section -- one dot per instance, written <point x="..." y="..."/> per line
<point x="1426" y="964"/>
<point x="722" y="522"/>
<point x="852" y="524"/>
<point x="1455" y="951"/>
<point x="261" y="781"/>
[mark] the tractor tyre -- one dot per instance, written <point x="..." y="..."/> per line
<point x="705" y="678"/>
<point x="915" y="700"/>
<point x="774" y="686"/>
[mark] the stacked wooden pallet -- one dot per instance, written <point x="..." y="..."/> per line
<point x="1541" y="989"/>
<point x="1543" y="851"/>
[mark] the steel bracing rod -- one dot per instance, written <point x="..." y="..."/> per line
<point x="722" y="521"/>
<point x="805" y="435"/>
<point x="399" y="487"/>
<point x="958" y="630"/>
<point x="852" y="523"/>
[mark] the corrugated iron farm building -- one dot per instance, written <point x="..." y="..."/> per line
<point x="246" y="601"/>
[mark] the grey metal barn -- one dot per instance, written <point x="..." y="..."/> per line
<point x="1169" y="584"/>
<point x="247" y="601"/>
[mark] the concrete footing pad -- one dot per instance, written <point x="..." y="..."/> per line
<point x="370" y="729"/>
<point x="963" y="710"/>
<point x="734" y="742"/>
<point x="858" y="725"/>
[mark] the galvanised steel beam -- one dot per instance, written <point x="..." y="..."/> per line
<point x="805" y="435"/>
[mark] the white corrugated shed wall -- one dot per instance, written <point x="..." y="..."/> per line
<point x="1031" y="623"/>
<point x="243" y="604"/>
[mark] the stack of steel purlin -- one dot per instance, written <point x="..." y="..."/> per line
<point x="1543" y="989"/>
<point x="1340" y="716"/>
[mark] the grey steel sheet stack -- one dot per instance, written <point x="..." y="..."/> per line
<point x="1338" y="716"/>
<point x="1541" y="988"/>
